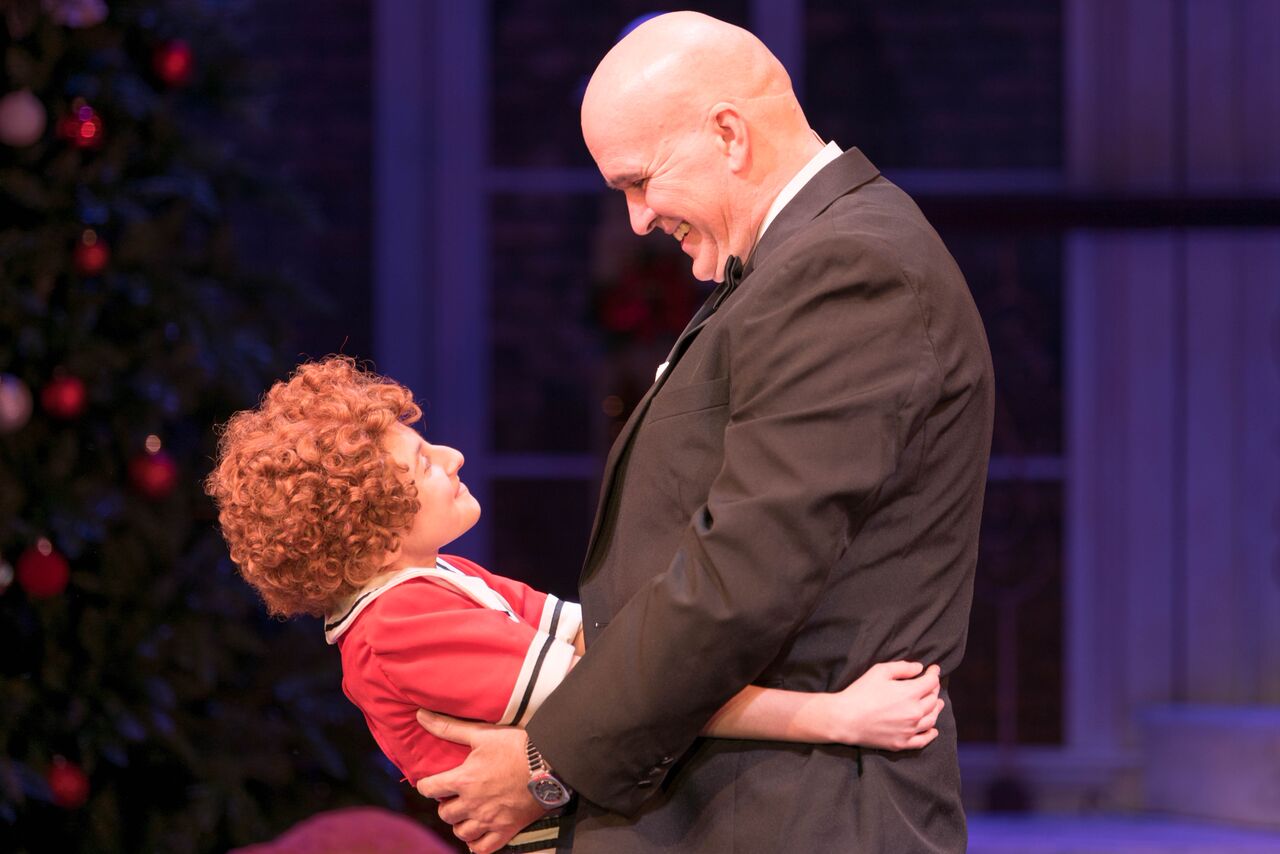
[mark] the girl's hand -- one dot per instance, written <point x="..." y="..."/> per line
<point x="893" y="706"/>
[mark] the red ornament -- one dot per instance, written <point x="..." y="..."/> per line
<point x="173" y="62"/>
<point x="81" y="126"/>
<point x="648" y="300"/>
<point x="153" y="474"/>
<point x="623" y="308"/>
<point x="64" y="397"/>
<point x="69" y="783"/>
<point x="91" y="254"/>
<point x="42" y="571"/>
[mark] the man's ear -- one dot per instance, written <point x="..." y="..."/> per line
<point x="732" y="136"/>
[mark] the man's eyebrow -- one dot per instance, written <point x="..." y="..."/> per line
<point x="624" y="181"/>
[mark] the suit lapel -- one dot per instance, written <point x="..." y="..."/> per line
<point x="838" y="178"/>
<point x="620" y="444"/>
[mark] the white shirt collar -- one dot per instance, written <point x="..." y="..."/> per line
<point x="829" y="152"/>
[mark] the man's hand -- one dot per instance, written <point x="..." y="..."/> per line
<point x="486" y="798"/>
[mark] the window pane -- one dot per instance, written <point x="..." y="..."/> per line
<point x="543" y="53"/>
<point x="544" y="351"/>
<point x="540" y="530"/>
<point x="934" y="83"/>
<point x="1016" y="281"/>
<point x="1010" y="684"/>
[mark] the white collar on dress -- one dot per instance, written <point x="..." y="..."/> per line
<point x="474" y="587"/>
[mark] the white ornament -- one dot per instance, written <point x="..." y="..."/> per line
<point x="22" y="118"/>
<point x="15" y="403"/>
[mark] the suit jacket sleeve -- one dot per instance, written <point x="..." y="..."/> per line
<point x="831" y="371"/>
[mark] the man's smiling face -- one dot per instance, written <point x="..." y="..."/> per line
<point x="674" y="179"/>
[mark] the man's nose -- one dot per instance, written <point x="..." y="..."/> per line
<point x="642" y="216"/>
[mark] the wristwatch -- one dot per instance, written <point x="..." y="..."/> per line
<point x="548" y="789"/>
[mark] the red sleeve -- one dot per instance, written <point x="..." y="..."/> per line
<point x="550" y="614"/>
<point x="466" y="661"/>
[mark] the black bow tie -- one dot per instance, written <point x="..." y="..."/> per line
<point x="732" y="277"/>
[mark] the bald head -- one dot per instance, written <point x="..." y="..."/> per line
<point x="681" y="64"/>
<point x="700" y="110"/>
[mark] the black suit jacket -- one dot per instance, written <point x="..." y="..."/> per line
<point x="796" y="499"/>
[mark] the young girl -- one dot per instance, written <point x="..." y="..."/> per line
<point x="332" y="505"/>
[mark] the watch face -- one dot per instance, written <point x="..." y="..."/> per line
<point x="549" y="791"/>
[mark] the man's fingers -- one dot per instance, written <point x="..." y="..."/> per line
<point x="450" y="729"/>
<point x="488" y="843"/>
<point x="468" y="831"/>
<point x="454" y="813"/>
<point x="437" y="786"/>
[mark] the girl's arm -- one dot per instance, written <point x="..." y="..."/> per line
<point x="893" y="706"/>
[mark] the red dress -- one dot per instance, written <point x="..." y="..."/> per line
<point x="454" y="639"/>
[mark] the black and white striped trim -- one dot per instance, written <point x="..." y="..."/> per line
<point x="548" y="659"/>
<point x="540" y="836"/>
<point x="562" y="620"/>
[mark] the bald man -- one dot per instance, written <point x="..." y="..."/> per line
<point x="796" y="498"/>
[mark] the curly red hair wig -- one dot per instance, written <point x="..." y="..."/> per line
<point x="309" y="500"/>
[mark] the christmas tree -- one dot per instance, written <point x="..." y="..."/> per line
<point x="146" y="702"/>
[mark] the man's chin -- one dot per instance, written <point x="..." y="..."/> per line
<point x="704" y="272"/>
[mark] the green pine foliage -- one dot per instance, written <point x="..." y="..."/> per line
<point x="199" y="723"/>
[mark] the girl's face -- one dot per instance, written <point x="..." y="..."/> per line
<point x="446" y="508"/>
